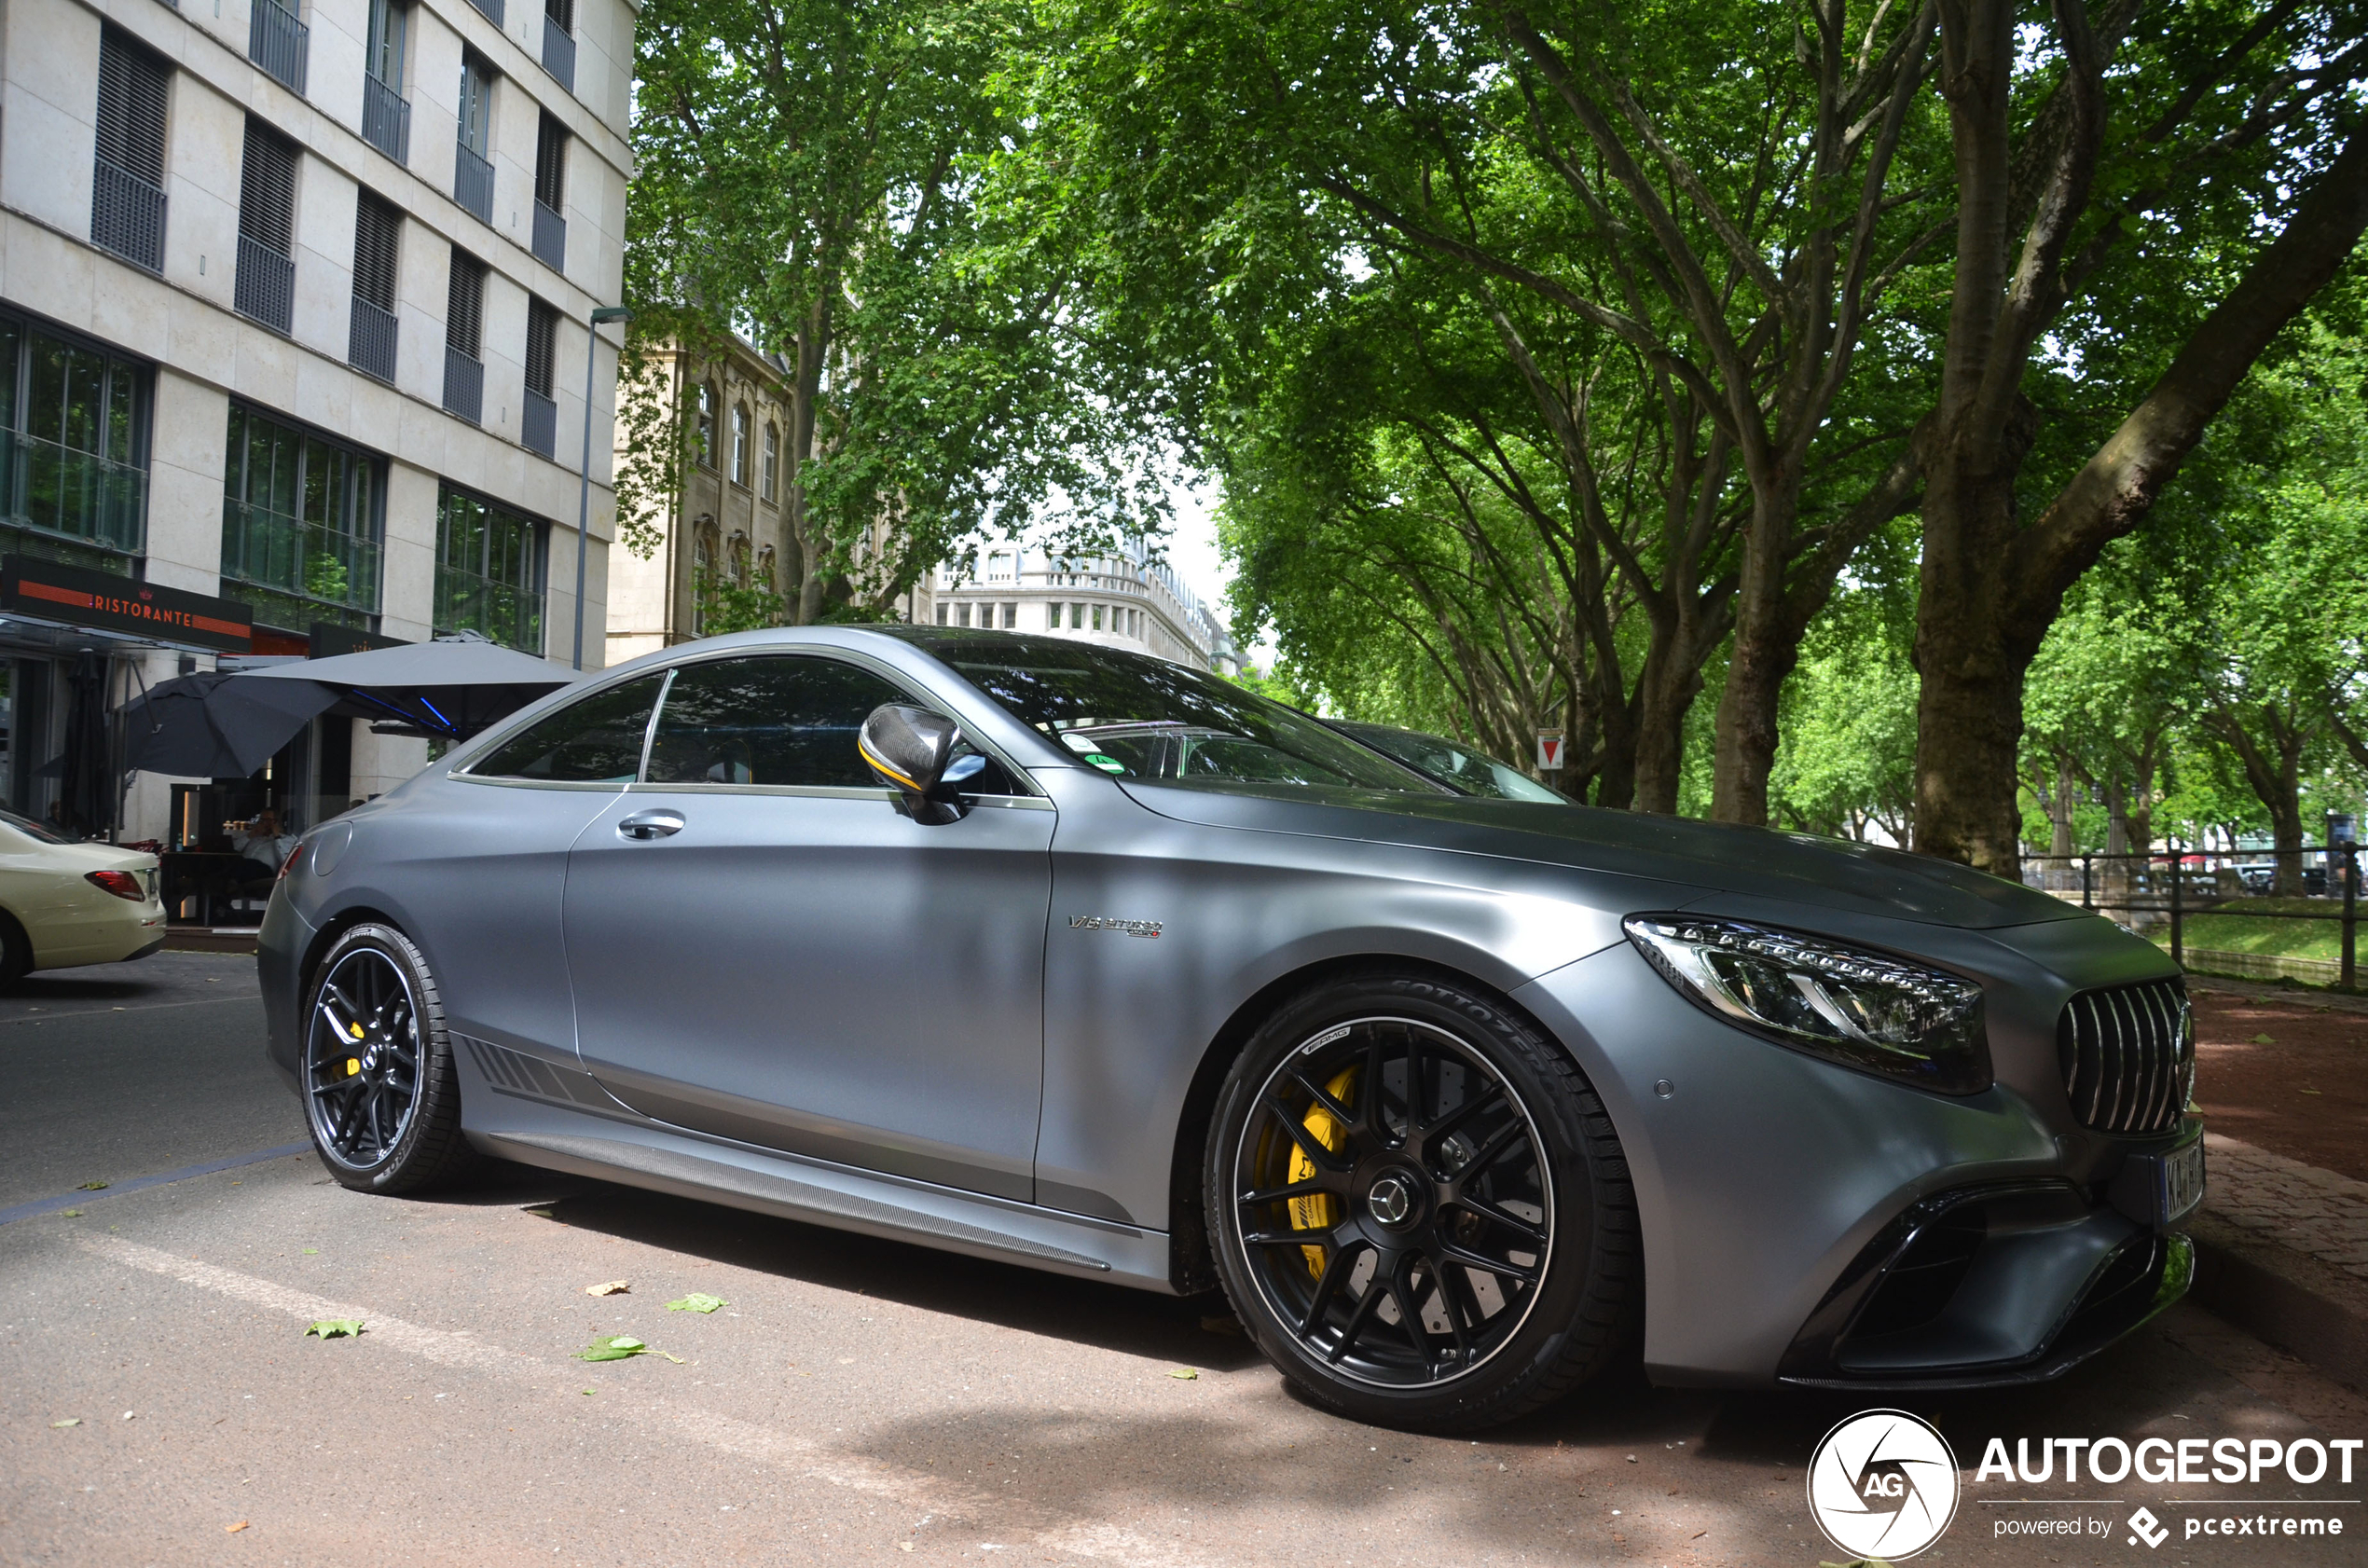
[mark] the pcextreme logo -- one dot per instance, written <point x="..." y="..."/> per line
<point x="1883" y="1484"/>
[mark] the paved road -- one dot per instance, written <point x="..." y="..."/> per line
<point x="855" y="1401"/>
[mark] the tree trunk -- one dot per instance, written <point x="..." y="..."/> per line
<point x="1971" y="661"/>
<point x="1766" y="649"/>
<point x="801" y="586"/>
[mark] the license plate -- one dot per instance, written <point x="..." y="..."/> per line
<point x="2182" y="1181"/>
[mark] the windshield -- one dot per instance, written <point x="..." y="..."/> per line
<point x="1137" y="716"/>
<point x="32" y="829"/>
<point x="1465" y="771"/>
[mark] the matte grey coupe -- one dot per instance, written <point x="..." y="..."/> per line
<point x="1092" y="963"/>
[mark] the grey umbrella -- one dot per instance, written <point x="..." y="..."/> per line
<point x="217" y="725"/>
<point x="452" y="687"/>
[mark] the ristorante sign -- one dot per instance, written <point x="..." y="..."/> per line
<point x="54" y="592"/>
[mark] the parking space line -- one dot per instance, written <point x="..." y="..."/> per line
<point x="745" y="1439"/>
<point x="117" y="1189"/>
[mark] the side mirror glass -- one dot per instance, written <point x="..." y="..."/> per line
<point x="912" y="751"/>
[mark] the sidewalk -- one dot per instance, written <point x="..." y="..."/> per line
<point x="2281" y="1242"/>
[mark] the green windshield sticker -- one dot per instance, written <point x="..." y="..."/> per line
<point x="1107" y="764"/>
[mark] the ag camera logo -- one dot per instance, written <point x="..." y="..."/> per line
<point x="1883" y="1484"/>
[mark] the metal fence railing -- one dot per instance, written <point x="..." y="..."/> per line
<point x="72" y="496"/>
<point x="539" y="430"/>
<point x="2204" y="902"/>
<point x="550" y="238"/>
<point x="558" y="54"/>
<point x="281" y="43"/>
<point x="371" y="336"/>
<point x="472" y="184"/>
<point x="127" y="216"/>
<point x="386" y="119"/>
<point x="463" y="385"/>
<point x="265" y="290"/>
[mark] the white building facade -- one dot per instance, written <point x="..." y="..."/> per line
<point x="293" y="317"/>
<point x="1118" y="602"/>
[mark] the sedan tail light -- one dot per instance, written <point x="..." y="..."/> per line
<point x="122" y="884"/>
<point x="289" y="864"/>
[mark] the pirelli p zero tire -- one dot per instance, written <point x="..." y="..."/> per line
<point x="381" y="1096"/>
<point x="1420" y="1209"/>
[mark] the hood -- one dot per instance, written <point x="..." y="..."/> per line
<point x="1717" y="856"/>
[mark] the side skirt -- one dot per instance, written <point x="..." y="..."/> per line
<point x="522" y="1109"/>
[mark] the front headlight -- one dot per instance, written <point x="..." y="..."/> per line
<point x="1864" y="1010"/>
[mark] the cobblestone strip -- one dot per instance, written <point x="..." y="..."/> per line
<point x="2290" y="1204"/>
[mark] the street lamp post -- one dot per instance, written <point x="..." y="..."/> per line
<point x="584" y="490"/>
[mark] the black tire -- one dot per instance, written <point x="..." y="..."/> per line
<point x="15" y="952"/>
<point x="1504" y="1165"/>
<point x="383" y="1098"/>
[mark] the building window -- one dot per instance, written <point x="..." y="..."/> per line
<point x="942" y="611"/>
<point x="1011" y="617"/>
<point x="386" y="115"/>
<point x="539" y="429"/>
<point x="550" y="193"/>
<point x="703" y="550"/>
<point x="489" y="570"/>
<point x="126" y="198"/>
<point x="473" y="167"/>
<point x="772" y="461"/>
<point x="706" y="434"/>
<point x="370" y="331"/>
<point x="382" y="52"/>
<point x="1097" y="617"/>
<point x="740" y="445"/>
<point x="1052" y="617"/>
<point x="301" y="523"/>
<point x="73" y="449"/>
<point x="266" y="290"/>
<point x="464" y="338"/>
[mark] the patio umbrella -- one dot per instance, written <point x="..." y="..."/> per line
<point x="217" y="725"/>
<point x="84" y="784"/>
<point x="450" y="688"/>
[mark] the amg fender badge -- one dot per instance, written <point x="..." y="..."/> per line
<point x="1102" y="923"/>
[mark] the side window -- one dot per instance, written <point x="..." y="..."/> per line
<point x="597" y="740"/>
<point x="779" y="719"/>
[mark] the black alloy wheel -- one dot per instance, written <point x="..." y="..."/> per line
<point x="1423" y="1214"/>
<point x="380" y="1093"/>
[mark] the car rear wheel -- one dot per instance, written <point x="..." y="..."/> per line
<point x="1422" y="1212"/>
<point x="381" y="1096"/>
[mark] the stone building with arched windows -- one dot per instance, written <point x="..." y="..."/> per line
<point x="727" y="524"/>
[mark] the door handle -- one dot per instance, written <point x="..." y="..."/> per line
<point x="647" y="825"/>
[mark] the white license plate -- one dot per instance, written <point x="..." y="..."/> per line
<point x="2182" y="1181"/>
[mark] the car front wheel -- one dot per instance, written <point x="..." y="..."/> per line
<point x="381" y="1096"/>
<point x="1421" y="1210"/>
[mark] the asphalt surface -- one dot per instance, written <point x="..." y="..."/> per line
<point x="854" y="1401"/>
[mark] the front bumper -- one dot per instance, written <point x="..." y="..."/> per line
<point x="1807" y="1224"/>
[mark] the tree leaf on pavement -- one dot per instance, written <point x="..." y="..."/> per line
<point x="335" y="1327"/>
<point x="92" y="1186"/>
<point x="611" y="1348"/>
<point x="696" y="1302"/>
<point x="311" y="1251"/>
<point x="2264" y="1040"/>
<point x="610" y="1287"/>
<point x="234" y="1529"/>
<point x="671" y="1356"/>
<point x="1186" y="1373"/>
<point x="73" y="1214"/>
<point x="70" y="1421"/>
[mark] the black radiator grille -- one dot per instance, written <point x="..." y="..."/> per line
<point x="2129" y="1056"/>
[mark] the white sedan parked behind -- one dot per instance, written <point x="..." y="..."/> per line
<point x="64" y="904"/>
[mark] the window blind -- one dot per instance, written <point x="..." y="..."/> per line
<point x="266" y="190"/>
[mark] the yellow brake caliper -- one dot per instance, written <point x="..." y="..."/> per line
<point x="1318" y="1212"/>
